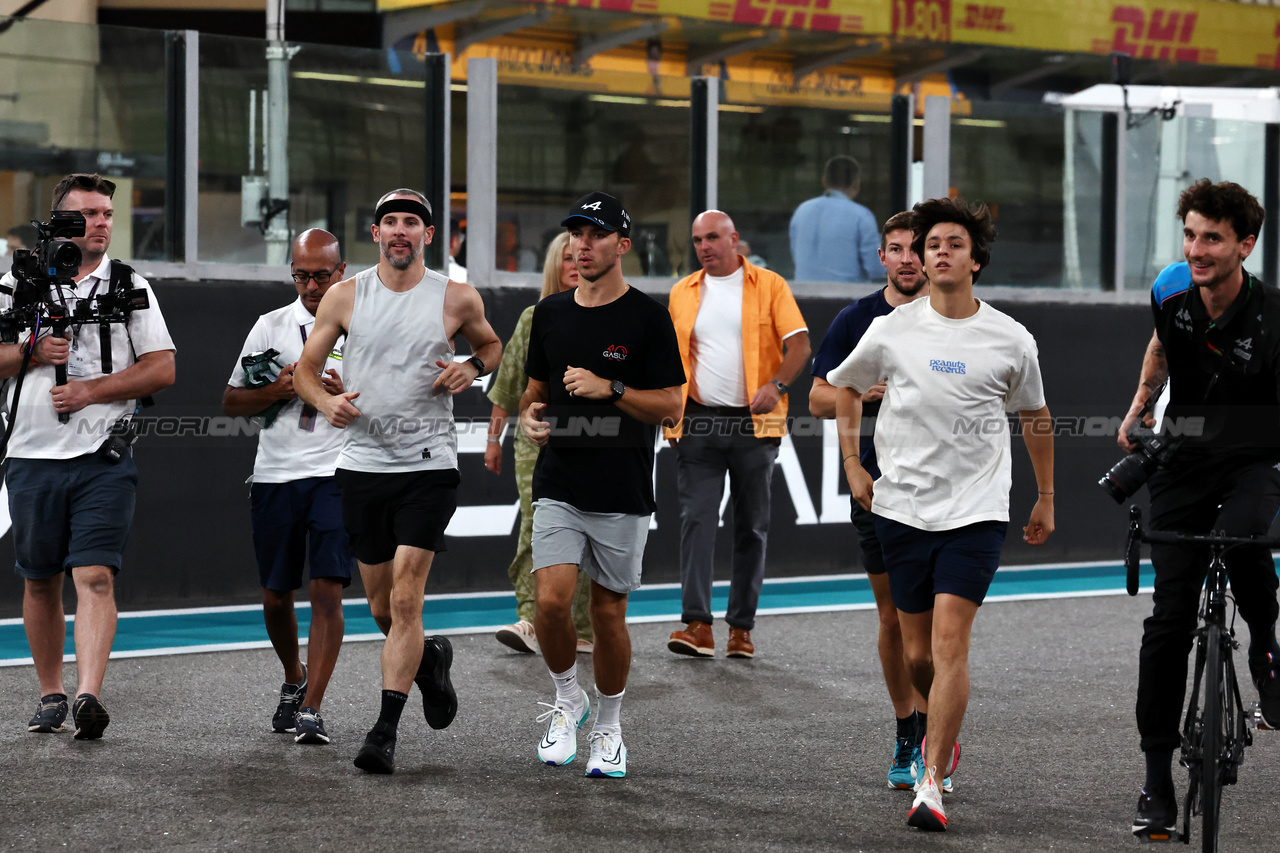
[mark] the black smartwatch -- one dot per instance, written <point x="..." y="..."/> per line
<point x="618" y="390"/>
<point x="478" y="363"/>
<point x="781" y="386"/>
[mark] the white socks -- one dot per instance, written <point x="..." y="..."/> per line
<point x="608" y="711"/>
<point x="568" y="693"/>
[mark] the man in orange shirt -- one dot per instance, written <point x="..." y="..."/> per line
<point x="742" y="340"/>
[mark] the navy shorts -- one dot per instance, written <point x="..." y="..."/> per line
<point x="69" y="513"/>
<point x="924" y="563"/>
<point x="865" y="523"/>
<point x="287" y="517"/>
<point x="384" y="511"/>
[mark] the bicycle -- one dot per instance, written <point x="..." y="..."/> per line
<point x="1216" y="729"/>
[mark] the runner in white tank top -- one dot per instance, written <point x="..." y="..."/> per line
<point x="398" y="468"/>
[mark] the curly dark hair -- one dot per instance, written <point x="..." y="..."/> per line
<point x="900" y="221"/>
<point x="1224" y="202"/>
<point x="975" y="218"/>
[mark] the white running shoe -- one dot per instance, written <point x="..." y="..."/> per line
<point x="520" y="637"/>
<point x="560" y="744"/>
<point x="926" y="812"/>
<point x="917" y="773"/>
<point x="608" y="755"/>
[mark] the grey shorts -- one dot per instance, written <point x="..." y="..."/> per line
<point x="608" y="546"/>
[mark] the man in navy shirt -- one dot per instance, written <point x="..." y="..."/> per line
<point x="906" y="283"/>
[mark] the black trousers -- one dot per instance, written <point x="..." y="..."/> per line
<point x="1197" y="496"/>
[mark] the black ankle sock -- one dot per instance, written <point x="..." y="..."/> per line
<point x="1159" y="772"/>
<point x="922" y="725"/>
<point x="907" y="726"/>
<point x="392" y="706"/>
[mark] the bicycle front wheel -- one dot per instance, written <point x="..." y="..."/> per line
<point x="1215" y="687"/>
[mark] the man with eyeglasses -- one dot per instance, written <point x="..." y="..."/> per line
<point x="294" y="500"/>
<point x="71" y="501"/>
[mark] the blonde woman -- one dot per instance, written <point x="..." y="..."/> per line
<point x="559" y="273"/>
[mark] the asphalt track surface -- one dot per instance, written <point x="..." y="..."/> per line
<point x="786" y="752"/>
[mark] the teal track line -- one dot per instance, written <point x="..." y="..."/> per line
<point x="148" y="633"/>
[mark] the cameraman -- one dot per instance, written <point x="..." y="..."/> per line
<point x="1215" y="339"/>
<point x="71" y="504"/>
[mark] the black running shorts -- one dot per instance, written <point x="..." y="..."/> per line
<point x="383" y="511"/>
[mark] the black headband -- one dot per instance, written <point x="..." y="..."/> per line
<point x="402" y="205"/>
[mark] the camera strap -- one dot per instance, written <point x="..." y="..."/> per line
<point x="121" y="280"/>
<point x="13" y="409"/>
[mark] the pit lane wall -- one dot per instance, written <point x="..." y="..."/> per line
<point x="191" y="543"/>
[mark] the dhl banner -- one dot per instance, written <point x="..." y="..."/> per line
<point x="1208" y="32"/>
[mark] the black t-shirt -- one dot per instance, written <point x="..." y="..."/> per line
<point x="1224" y="371"/>
<point x="600" y="459"/>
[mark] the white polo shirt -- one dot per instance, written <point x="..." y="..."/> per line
<point x="942" y="435"/>
<point x="37" y="434"/>
<point x="293" y="447"/>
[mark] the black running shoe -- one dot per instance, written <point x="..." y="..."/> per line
<point x="378" y="755"/>
<point x="291" y="699"/>
<point x="310" y="727"/>
<point x="1157" y="817"/>
<point x="51" y="715"/>
<point x="439" y="701"/>
<point x="90" y="716"/>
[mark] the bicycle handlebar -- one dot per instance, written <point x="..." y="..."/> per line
<point x="1137" y="535"/>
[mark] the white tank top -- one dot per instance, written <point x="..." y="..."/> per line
<point x="393" y="343"/>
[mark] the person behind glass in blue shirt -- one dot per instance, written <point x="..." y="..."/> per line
<point x="833" y="238"/>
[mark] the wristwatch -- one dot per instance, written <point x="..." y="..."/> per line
<point x="478" y="363"/>
<point x="618" y="390"/>
<point x="781" y="386"/>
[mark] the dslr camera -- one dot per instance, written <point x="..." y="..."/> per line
<point x="53" y="260"/>
<point x="1132" y="472"/>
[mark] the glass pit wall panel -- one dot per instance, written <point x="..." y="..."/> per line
<point x="79" y="98"/>
<point x="557" y="144"/>
<point x="1011" y="156"/>
<point x="356" y="129"/>
<point x="1163" y="158"/>
<point x="772" y="159"/>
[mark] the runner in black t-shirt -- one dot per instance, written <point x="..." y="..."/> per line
<point x="604" y="370"/>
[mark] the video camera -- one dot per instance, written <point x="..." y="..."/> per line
<point x="39" y="275"/>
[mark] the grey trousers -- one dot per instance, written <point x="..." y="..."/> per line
<point x="702" y="461"/>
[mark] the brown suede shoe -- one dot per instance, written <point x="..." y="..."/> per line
<point x="693" y="640"/>
<point x="740" y="644"/>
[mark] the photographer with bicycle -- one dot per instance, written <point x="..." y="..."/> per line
<point x="71" y="483"/>
<point x="1216" y="342"/>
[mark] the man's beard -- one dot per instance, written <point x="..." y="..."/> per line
<point x="401" y="264"/>
<point x="921" y="281"/>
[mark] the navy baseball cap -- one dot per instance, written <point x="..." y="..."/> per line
<point x="601" y="209"/>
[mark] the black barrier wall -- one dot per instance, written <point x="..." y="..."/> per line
<point x="191" y="544"/>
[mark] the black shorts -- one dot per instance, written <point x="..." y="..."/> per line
<point x="865" y="523"/>
<point x="384" y="511"/>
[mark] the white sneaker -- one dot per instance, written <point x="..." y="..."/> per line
<point x="926" y="812"/>
<point x="560" y="744"/>
<point x="917" y="773"/>
<point x="608" y="755"/>
<point x="519" y="636"/>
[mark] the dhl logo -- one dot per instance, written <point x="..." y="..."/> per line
<point x="988" y="18"/>
<point x="796" y="14"/>
<point x="1162" y="34"/>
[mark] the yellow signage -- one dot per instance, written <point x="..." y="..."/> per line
<point x="1191" y="31"/>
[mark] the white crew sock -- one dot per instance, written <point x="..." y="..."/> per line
<point x="607" y="717"/>
<point x="568" y="693"/>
